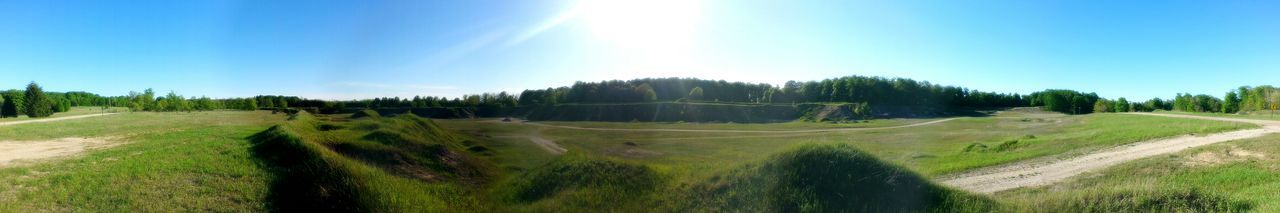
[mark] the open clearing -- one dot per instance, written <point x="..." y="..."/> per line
<point x="1041" y="172"/>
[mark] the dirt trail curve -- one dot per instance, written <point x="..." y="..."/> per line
<point x="743" y="131"/>
<point x="1040" y="172"/>
<point x="52" y="119"/>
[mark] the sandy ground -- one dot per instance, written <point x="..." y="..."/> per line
<point x="1045" y="171"/>
<point x="52" y="119"/>
<point x="13" y="152"/>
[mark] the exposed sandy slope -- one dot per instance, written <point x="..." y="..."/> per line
<point x="12" y="152"/>
<point x="1045" y="171"/>
<point x="52" y="119"/>
<point x="742" y="131"/>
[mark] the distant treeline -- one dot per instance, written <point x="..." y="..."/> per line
<point x="852" y="89"/>
<point x="1241" y="99"/>
<point x="869" y="92"/>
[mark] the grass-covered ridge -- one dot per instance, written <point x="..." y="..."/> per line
<point x="829" y="178"/>
<point x="398" y="164"/>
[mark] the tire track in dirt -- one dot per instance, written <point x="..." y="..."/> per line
<point x="1047" y="170"/>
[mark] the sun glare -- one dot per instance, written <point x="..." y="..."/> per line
<point x="652" y="26"/>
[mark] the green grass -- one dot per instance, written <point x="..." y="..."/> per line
<point x="400" y="164"/>
<point x="694" y="167"/>
<point x="257" y="161"/>
<point x="827" y="178"/>
<point x="1237" y="175"/>
<point x="931" y="150"/>
<point x="170" y="161"/>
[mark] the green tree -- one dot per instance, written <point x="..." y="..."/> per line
<point x="646" y="93"/>
<point x="1122" y="105"/>
<point x="37" y="104"/>
<point x="10" y="107"/>
<point x="1231" y="103"/>
<point x="281" y="103"/>
<point x="695" y="94"/>
<point x="1102" y="105"/>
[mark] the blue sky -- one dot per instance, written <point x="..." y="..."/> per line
<point x="359" y="49"/>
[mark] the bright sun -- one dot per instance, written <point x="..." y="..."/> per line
<point x="651" y="26"/>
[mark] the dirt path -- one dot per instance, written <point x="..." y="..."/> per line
<point x="52" y="119"/>
<point x="13" y="152"/>
<point x="1045" y="171"/>
<point x="548" y="145"/>
<point x="743" y="131"/>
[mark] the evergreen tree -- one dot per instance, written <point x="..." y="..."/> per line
<point x="37" y="104"/>
<point x="10" y="107"/>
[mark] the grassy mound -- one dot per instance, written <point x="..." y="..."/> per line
<point x="1166" y="200"/>
<point x="368" y="113"/>
<point x="829" y="178"/>
<point x="583" y="183"/>
<point x="401" y="164"/>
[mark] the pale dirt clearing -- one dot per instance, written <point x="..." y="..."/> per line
<point x="14" y="152"/>
<point x="52" y="119"/>
<point x="1045" y="171"/>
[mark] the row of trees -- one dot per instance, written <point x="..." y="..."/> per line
<point x="851" y="89"/>
<point x="1123" y="105"/>
<point x="1064" y="101"/>
<point x="172" y="102"/>
<point x="1242" y="99"/>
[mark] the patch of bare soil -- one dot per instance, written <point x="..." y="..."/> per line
<point x="1232" y="154"/>
<point x="15" y="152"/>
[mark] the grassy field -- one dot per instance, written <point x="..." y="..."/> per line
<point x="197" y="161"/>
<point x="687" y="162"/>
<point x="1240" y="175"/>
<point x="258" y="161"/>
<point x="932" y="150"/>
